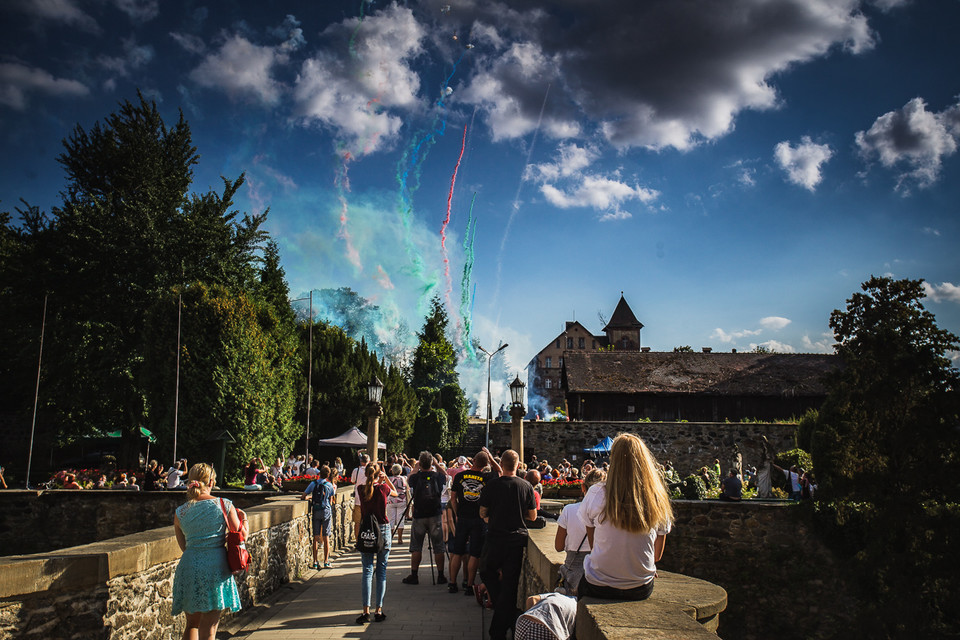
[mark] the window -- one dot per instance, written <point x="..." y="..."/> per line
<point x="560" y="366"/>
<point x="581" y="343"/>
<point x="548" y="383"/>
<point x="549" y="364"/>
<point x="569" y="343"/>
<point x="594" y="344"/>
<point x="558" y="343"/>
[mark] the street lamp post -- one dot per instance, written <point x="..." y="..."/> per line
<point x="374" y="411"/>
<point x="486" y="438"/>
<point x="306" y="446"/>
<point x="36" y="394"/>
<point x="517" y="411"/>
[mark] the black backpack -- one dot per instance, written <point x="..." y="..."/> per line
<point x="425" y="496"/>
<point x="370" y="538"/>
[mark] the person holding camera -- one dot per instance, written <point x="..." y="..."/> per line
<point x="373" y="496"/>
<point x="427" y="485"/>
<point x="174" y="480"/>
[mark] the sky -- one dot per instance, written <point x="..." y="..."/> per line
<point x="737" y="169"/>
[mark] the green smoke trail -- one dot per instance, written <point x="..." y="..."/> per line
<point x="466" y="307"/>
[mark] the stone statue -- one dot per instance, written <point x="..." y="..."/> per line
<point x="764" y="471"/>
<point x="737" y="461"/>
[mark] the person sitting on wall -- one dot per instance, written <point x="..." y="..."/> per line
<point x="70" y="482"/>
<point x="250" y="473"/>
<point x="731" y="489"/>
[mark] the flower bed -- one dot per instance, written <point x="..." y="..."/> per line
<point x="561" y="488"/>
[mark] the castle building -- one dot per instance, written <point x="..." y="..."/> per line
<point x="613" y="377"/>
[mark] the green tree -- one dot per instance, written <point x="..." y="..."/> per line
<point x="126" y="233"/>
<point x="683" y="349"/>
<point x="236" y="373"/>
<point x="435" y="377"/>
<point x="886" y="452"/>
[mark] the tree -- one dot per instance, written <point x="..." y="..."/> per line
<point x="885" y="447"/>
<point x="236" y="374"/>
<point x="683" y="349"/>
<point x="435" y="377"/>
<point x="127" y="232"/>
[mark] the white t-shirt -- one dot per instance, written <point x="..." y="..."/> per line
<point x="312" y="471"/>
<point x="173" y="478"/>
<point x="576" y="532"/>
<point x="619" y="558"/>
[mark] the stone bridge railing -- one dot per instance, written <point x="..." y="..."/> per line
<point x="122" y="587"/>
<point x="681" y="607"/>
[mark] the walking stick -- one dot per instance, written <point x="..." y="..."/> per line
<point x="430" y="550"/>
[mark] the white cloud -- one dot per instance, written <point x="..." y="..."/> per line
<point x="135" y="57"/>
<point x="775" y="346"/>
<point x="242" y="68"/>
<point x="723" y="336"/>
<point x="355" y="94"/>
<point x="566" y="184"/>
<point x="774" y="323"/>
<point x="657" y="73"/>
<point x="18" y="81"/>
<point x="823" y="345"/>
<point x="63" y="11"/>
<point x="803" y="162"/>
<point x="930" y="231"/>
<point x="190" y="43"/>
<point x="140" y="11"/>
<point x="943" y="292"/>
<point x="913" y="140"/>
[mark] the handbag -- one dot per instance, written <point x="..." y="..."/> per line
<point x="370" y="539"/>
<point x="237" y="555"/>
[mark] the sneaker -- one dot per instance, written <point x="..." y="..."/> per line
<point x="441" y="579"/>
<point x="380" y="617"/>
<point x="316" y="565"/>
<point x="466" y="587"/>
<point x="452" y="587"/>
<point x="411" y="579"/>
<point x="327" y="565"/>
<point x="363" y="618"/>
<point x="468" y="591"/>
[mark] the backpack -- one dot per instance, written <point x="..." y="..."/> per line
<point x="425" y="495"/>
<point x="317" y="499"/>
<point x="370" y="539"/>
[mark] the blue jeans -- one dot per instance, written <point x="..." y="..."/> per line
<point x="366" y="577"/>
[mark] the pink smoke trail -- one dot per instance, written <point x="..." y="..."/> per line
<point x="443" y="228"/>
<point x="342" y="183"/>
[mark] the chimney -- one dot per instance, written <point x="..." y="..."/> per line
<point x="733" y="350"/>
<point x="707" y="349"/>
<point x="645" y="349"/>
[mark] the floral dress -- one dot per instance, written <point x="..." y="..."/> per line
<point x="203" y="581"/>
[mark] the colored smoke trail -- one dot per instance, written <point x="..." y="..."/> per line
<point x="516" y="204"/>
<point x="448" y="294"/>
<point x="465" y="312"/>
<point x="342" y="182"/>
<point x="409" y="171"/>
<point x="353" y="36"/>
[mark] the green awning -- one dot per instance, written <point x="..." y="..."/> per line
<point x="146" y="433"/>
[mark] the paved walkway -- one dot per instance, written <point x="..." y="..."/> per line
<point x="326" y="603"/>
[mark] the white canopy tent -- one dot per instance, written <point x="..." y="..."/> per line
<point x="352" y="437"/>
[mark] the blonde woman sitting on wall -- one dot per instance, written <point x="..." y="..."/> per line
<point x="203" y="585"/>
<point x="627" y="519"/>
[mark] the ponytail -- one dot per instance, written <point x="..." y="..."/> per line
<point x="367" y="491"/>
<point x="202" y="476"/>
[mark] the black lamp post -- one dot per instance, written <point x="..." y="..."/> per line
<point x="486" y="439"/>
<point x="517" y="411"/>
<point x="374" y="411"/>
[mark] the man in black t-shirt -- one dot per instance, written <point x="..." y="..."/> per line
<point x="465" y="502"/>
<point x="426" y="485"/>
<point x="506" y="503"/>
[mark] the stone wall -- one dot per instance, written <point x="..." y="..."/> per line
<point x="56" y="519"/>
<point x="681" y="607"/>
<point x="121" y="588"/>
<point x="688" y="445"/>
<point x="781" y="580"/>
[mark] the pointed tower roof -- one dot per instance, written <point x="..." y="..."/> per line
<point x="623" y="317"/>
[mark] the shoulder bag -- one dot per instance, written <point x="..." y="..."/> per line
<point x="237" y="555"/>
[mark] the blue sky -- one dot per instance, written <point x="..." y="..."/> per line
<point x="737" y="169"/>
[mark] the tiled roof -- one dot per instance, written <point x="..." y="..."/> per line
<point x="623" y="317"/>
<point x="755" y="374"/>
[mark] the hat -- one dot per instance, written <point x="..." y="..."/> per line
<point x="462" y="460"/>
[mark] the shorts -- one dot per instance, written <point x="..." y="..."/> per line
<point x="420" y="528"/>
<point x="395" y="512"/>
<point x="321" y="524"/>
<point x="529" y="628"/>
<point x="472" y="529"/>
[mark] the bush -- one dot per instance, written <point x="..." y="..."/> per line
<point x="693" y="488"/>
